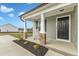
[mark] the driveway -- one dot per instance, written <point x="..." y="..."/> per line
<point x="9" y="48"/>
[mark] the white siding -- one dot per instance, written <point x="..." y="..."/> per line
<point x="51" y="26"/>
<point x="35" y="31"/>
<point x="8" y="28"/>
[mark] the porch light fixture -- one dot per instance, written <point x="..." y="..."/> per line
<point x="61" y="10"/>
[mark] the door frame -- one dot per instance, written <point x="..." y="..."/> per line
<point x="69" y="28"/>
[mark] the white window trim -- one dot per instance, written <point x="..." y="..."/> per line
<point x="69" y="29"/>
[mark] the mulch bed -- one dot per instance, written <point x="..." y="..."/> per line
<point x="41" y="51"/>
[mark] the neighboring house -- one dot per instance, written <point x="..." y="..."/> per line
<point x="56" y="21"/>
<point x="28" y="30"/>
<point x="21" y="29"/>
<point x="0" y="30"/>
<point x="8" y="28"/>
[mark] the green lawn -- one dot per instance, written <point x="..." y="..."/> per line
<point x="16" y="34"/>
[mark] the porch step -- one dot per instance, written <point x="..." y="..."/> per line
<point x="60" y="52"/>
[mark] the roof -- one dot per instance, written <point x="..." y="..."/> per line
<point x="8" y="24"/>
<point x="34" y="9"/>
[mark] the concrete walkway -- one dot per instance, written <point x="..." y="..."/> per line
<point x="9" y="48"/>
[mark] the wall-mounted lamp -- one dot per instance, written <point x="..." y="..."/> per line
<point x="61" y="10"/>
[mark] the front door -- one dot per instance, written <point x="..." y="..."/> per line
<point x="63" y="28"/>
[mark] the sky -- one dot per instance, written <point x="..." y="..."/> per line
<point x="9" y="13"/>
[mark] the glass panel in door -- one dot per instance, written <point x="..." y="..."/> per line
<point x="63" y="28"/>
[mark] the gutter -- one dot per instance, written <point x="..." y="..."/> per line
<point x="21" y="18"/>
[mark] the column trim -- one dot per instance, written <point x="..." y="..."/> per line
<point x="42" y="30"/>
<point x="25" y="35"/>
<point x="42" y="24"/>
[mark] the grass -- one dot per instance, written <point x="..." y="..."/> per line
<point x="16" y="34"/>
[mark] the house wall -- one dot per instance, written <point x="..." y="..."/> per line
<point x="74" y="27"/>
<point x="51" y="26"/>
<point x="8" y="28"/>
<point x="35" y="31"/>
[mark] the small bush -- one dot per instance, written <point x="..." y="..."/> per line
<point x="37" y="46"/>
<point x="26" y="42"/>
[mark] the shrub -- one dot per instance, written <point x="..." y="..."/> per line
<point x="26" y="42"/>
<point x="18" y="36"/>
<point x="36" y="46"/>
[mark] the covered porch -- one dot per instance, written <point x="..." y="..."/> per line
<point x="64" y="48"/>
<point x="45" y="27"/>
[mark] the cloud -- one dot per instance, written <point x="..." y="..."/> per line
<point x="1" y="18"/>
<point x="5" y="9"/>
<point x="11" y="15"/>
<point x="21" y="13"/>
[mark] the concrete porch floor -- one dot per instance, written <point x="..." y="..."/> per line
<point x="64" y="48"/>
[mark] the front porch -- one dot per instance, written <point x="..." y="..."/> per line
<point x="61" y="47"/>
<point x="54" y="26"/>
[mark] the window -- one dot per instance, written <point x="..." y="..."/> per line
<point x="38" y="25"/>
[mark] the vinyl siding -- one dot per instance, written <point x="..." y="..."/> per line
<point x="51" y="26"/>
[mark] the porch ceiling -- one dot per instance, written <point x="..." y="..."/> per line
<point x="60" y="10"/>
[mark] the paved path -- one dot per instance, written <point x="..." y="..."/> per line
<point x="9" y="48"/>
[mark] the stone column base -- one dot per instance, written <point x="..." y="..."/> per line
<point x="25" y="35"/>
<point x="42" y="38"/>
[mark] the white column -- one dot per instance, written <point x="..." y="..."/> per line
<point x="42" y="31"/>
<point x="42" y="24"/>
<point x="25" y="30"/>
<point x="34" y="29"/>
<point x="24" y="27"/>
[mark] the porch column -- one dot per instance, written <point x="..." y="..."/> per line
<point x="25" y="31"/>
<point x="34" y="29"/>
<point x="42" y="30"/>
